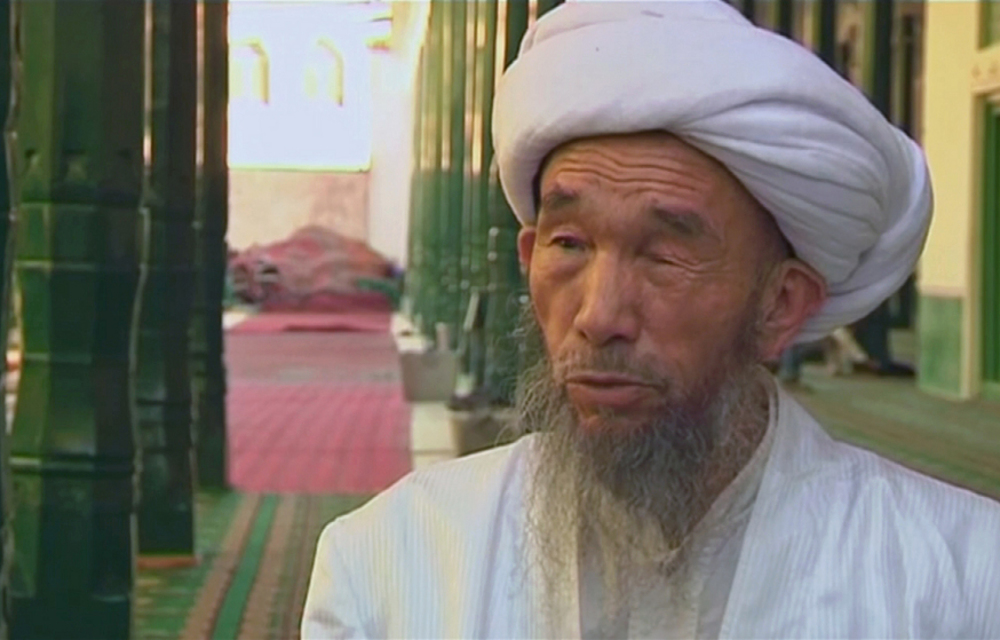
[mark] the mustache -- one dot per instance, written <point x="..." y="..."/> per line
<point x="615" y="359"/>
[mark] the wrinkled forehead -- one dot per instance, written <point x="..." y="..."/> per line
<point x="632" y="155"/>
<point x="639" y="163"/>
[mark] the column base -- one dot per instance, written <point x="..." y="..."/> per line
<point x="70" y="616"/>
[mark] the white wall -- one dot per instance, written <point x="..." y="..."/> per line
<point x="393" y="110"/>
<point x="294" y="130"/>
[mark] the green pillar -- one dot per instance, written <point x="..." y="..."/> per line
<point x="414" y="252"/>
<point x="786" y="17"/>
<point x="880" y="50"/>
<point x="544" y="6"/>
<point x="904" y="99"/>
<point x="826" y="32"/>
<point x="415" y="256"/>
<point x="7" y="234"/>
<point x="77" y="148"/>
<point x="506" y="287"/>
<point x="163" y="384"/>
<point x="482" y="156"/>
<point x="505" y="291"/>
<point x="990" y="22"/>
<point x="441" y="246"/>
<point x="468" y="189"/>
<point x="990" y="305"/>
<point x="453" y="165"/>
<point x="765" y="14"/>
<point x="430" y="273"/>
<point x="211" y="218"/>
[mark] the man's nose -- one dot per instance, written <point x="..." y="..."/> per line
<point x="608" y="312"/>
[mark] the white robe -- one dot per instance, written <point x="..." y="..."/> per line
<point x="840" y="543"/>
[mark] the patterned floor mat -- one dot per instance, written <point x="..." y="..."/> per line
<point x="316" y="413"/>
<point x="256" y="554"/>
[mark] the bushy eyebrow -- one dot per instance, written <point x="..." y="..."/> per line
<point x="681" y="223"/>
<point x="686" y="224"/>
<point x="556" y="199"/>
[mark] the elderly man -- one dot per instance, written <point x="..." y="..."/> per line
<point x="696" y="195"/>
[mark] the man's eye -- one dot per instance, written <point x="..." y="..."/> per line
<point x="663" y="260"/>
<point x="568" y="242"/>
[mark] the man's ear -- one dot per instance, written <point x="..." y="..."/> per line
<point x="525" y="246"/>
<point x="795" y="294"/>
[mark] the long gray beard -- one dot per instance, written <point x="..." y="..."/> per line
<point x="629" y="500"/>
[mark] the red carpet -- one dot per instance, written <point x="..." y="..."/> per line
<point x="326" y="302"/>
<point x="313" y="322"/>
<point x="315" y="412"/>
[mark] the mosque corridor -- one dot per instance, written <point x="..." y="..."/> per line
<point x="317" y="424"/>
<point x="147" y="144"/>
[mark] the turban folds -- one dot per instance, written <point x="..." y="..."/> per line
<point x="849" y="191"/>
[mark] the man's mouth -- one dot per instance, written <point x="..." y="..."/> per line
<point x="607" y="390"/>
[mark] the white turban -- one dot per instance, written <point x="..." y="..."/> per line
<point x="848" y="190"/>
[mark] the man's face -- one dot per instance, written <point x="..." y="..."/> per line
<point x="644" y="271"/>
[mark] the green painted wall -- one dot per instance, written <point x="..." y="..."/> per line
<point x="991" y="21"/>
<point x="991" y="246"/>
<point x="940" y="328"/>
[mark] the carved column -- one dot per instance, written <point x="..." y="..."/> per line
<point x="453" y="159"/>
<point x="506" y="286"/>
<point x="211" y="220"/>
<point x="76" y="143"/>
<point x="163" y="383"/>
<point x="431" y="182"/>
<point x="7" y="234"/>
